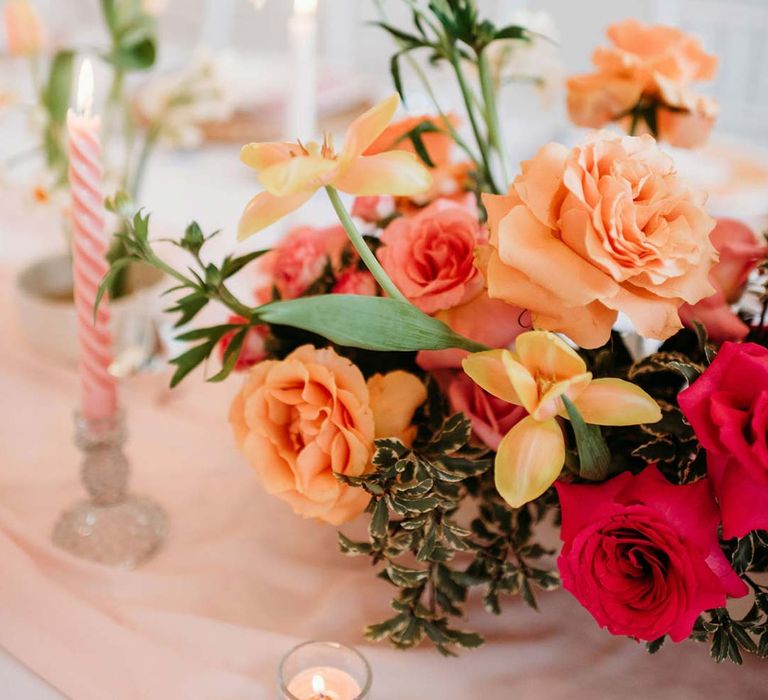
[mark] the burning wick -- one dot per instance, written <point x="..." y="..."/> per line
<point x="319" y="690"/>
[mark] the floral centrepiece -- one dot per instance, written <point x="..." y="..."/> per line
<point x="458" y="371"/>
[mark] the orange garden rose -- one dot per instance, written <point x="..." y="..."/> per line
<point x="304" y="419"/>
<point x="605" y="227"/>
<point x="651" y="63"/>
<point x="449" y="178"/>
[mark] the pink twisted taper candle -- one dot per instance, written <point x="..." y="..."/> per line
<point x="89" y="250"/>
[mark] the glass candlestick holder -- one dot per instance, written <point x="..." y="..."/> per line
<point x="111" y="526"/>
<point x="324" y="671"/>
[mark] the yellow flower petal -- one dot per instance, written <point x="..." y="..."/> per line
<point x="545" y="353"/>
<point x="395" y="173"/>
<point x="616" y="402"/>
<point x="522" y="381"/>
<point x="262" y="155"/>
<point x="264" y="209"/>
<point x="551" y="403"/>
<point x="529" y="459"/>
<point x="486" y="369"/>
<point x="367" y="127"/>
<point x="303" y="173"/>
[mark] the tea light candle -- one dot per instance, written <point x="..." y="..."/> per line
<point x="324" y="671"/>
<point x="324" y="683"/>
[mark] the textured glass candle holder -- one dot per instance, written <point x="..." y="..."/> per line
<point x="344" y="671"/>
<point x="112" y="526"/>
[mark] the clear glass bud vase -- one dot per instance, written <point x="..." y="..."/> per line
<point x="112" y="526"/>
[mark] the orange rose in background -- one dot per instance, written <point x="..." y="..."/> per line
<point x="740" y="252"/>
<point x="23" y="28"/>
<point x="430" y="256"/>
<point x="604" y="227"/>
<point x="449" y="179"/>
<point x="304" y="419"/>
<point x="649" y="66"/>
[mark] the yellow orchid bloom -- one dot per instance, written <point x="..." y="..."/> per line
<point x="290" y="173"/>
<point x="541" y="370"/>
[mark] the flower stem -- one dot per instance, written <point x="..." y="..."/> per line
<point x="492" y="113"/>
<point x="365" y="253"/>
<point x="466" y="94"/>
<point x="150" y="139"/>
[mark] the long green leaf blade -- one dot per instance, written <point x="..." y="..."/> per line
<point x="370" y="323"/>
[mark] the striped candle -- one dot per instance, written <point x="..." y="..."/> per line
<point x="89" y="250"/>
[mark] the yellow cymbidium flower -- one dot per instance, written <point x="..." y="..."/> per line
<point x="291" y="172"/>
<point x="541" y="370"/>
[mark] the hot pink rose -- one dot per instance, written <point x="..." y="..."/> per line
<point x="353" y="281"/>
<point x="491" y="417"/>
<point x="728" y="408"/>
<point x="253" y="349"/>
<point x="301" y="257"/>
<point x="739" y="254"/>
<point x="642" y="555"/>
<point x="430" y="256"/>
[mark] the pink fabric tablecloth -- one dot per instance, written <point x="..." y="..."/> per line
<point x="241" y="579"/>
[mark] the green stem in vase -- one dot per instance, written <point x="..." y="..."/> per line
<point x="492" y="113"/>
<point x="365" y="253"/>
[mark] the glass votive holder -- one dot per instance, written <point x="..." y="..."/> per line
<point x="324" y="671"/>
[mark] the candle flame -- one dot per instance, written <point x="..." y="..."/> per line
<point x="85" y="88"/>
<point x="304" y="7"/>
<point x="318" y="685"/>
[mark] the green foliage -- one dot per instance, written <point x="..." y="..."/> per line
<point x="594" y="455"/>
<point x="133" y="35"/>
<point x="414" y="535"/>
<point x="380" y="323"/>
<point x="55" y="99"/>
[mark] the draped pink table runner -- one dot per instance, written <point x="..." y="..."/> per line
<point x="241" y="579"/>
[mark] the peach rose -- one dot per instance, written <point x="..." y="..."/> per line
<point x="352" y="281"/>
<point x="604" y="227"/>
<point x="304" y="419"/>
<point x="301" y="258"/>
<point x="488" y="321"/>
<point x="650" y="50"/>
<point x="23" y="28"/>
<point x="374" y="208"/>
<point x="491" y="418"/>
<point x="430" y="256"/>
<point x="740" y="252"/>
<point x="652" y="66"/>
<point x="394" y="399"/>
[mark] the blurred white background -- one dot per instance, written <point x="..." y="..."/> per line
<point x="733" y="29"/>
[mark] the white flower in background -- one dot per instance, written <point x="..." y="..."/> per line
<point x="154" y="7"/>
<point x="536" y="61"/>
<point x="179" y="104"/>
